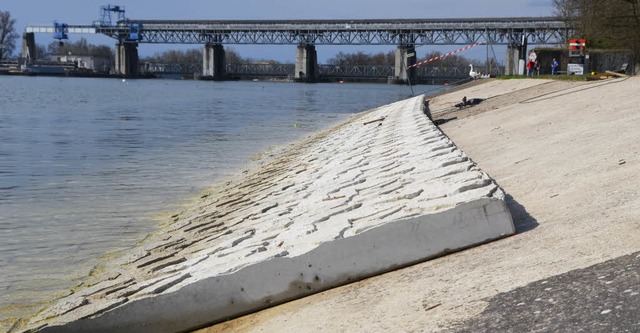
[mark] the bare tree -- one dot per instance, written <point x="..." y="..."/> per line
<point x="194" y="57"/>
<point x="361" y="58"/>
<point x="232" y="56"/>
<point x="566" y="9"/>
<point x="81" y="47"/>
<point x="606" y="24"/>
<point x="7" y="35"/>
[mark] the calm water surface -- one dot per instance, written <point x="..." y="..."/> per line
<point x="88" y="165"/>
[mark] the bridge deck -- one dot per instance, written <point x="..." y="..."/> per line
<point x="507" y="23"/>
<point x="538" y="30"/>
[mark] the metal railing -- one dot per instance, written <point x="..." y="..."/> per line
<point x="327" y="71"/>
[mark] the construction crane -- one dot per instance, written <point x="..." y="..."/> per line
<point x="60" y="32"/>
<point x="106" y="21"/>
<point x="105" y="15"/>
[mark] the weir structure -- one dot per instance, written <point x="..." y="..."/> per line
<point x="406" y="34"/>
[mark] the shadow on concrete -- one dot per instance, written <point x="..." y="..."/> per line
<point x="427" y="111"/>
<point x="439" y="122"/>
<point x="599" y="298"/>
<point x="522" y="220"/>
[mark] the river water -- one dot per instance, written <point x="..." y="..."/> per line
<point x="88" y="167"/>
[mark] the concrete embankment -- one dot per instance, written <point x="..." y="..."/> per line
<point x="567" y="155"/>
<point x="380" y="192"/>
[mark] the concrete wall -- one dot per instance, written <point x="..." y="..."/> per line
<point x="612" y="61"/>
<point x="598" y="61"/>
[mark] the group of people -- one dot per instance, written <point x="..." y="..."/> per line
<point x="534" y="64"/>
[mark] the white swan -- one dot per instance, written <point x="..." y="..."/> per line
<point x="474" y="75"/>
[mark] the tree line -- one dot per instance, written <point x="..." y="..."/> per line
<point x="605" y="24"/>
<point x="81" y="47"/>
<point x="7" y="35"/>
<point x="361" y="58"/>
<point x="194" y="57"/>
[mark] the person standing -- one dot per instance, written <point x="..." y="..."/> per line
<point x="533" y="57"/>
<point x="554" y="67"/>
<point x="530" y="66"/>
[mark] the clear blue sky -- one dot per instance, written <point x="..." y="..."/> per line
<point x="38" y="12"/>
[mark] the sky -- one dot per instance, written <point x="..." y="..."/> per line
<point x="81" y="12"/>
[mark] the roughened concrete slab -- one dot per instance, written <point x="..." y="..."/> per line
<point x="601" y="298"/>
<point x="377" y="193"/>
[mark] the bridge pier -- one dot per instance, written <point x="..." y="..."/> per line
<point x="127" y="60"/>
<point x="213" y="62"/>
<point x="405" y="57"/>
<point x="29" y="47"/>
<point x="306" y="63"/>
<point x="511" y="60"/>
<point x="516" y="59"/>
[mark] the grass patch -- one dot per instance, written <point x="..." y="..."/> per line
<point x="550" y="77"/>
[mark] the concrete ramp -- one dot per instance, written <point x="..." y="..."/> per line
<point x="382" y="191"/>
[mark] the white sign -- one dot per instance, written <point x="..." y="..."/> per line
<point x="577" y="69"/>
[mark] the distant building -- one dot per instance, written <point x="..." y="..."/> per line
<point x="95" y="64"/>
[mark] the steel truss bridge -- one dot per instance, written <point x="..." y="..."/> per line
<point x="505" y="31"/>
<point x="326" y="71"/>
<point x="406" y="34"/>
<point x="508" y="31"/>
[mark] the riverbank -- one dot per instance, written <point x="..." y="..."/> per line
<point x="566" y="154"/>
<point x="384" y="190"/>
<point x="102" y="171"/>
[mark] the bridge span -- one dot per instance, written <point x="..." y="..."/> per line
<point x="327" y="72"/>
<point x="406" y="34"/>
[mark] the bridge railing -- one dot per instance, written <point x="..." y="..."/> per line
<point x="327" y="71"/>
<point x="152" y="67"/>
<point x="505" y="31"/>
<point x="13" y="63"/>
<point x="356" y="71"/>
<point x="276" y="70"/>
<point x="17" y="62"/>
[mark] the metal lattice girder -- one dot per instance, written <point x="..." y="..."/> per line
<point x="327" y="71"/>
<point x="261" y="69"/>
<point x="70" y="29"/>
<point x="538" y="30"/>
<point x="150" y="67"/>
<point x="355" y="71"/>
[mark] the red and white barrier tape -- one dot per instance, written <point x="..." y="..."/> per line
<point x="445" y="55"/>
